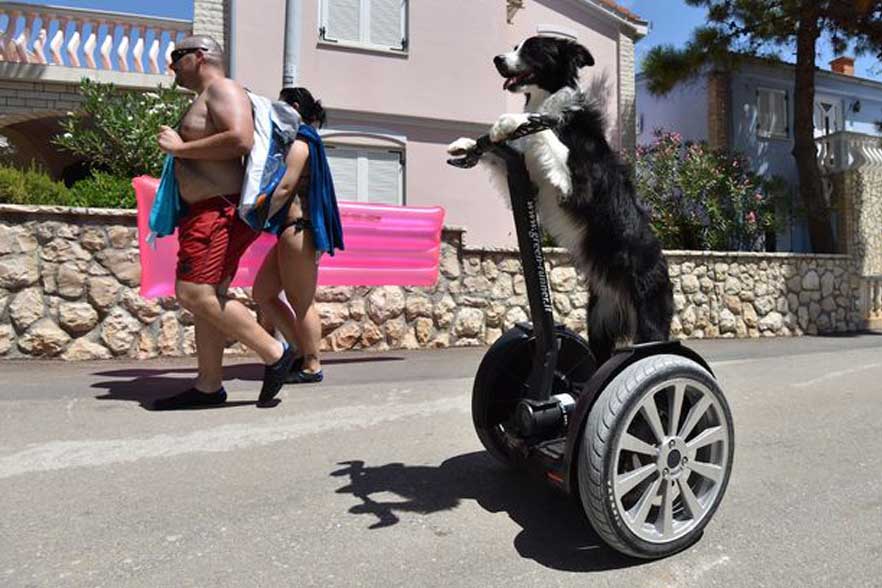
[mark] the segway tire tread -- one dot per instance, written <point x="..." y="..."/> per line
<point x="598" y="438"/>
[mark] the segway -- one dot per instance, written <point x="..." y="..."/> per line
<point x="645" y="440"/>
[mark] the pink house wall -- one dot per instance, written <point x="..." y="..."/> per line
<point x="258" y="45"/>
<point x="593" y="31"/>
<point x="444" y="87"/>
<point x="444" y="74"/>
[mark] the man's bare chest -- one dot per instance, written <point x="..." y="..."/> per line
<point x="197" y="122"/>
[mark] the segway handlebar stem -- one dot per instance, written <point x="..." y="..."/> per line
<point x="539" y="383"/>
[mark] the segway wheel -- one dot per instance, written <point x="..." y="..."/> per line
<point x="656" y="456"/>
<point x="501" y="378"/>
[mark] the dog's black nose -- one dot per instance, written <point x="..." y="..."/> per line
<point x="499" y="61"/>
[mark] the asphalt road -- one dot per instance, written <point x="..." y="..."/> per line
<point x="375" y="478"/>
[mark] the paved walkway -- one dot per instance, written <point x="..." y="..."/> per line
<point x="375" y="478"/>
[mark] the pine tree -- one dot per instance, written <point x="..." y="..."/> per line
<point x="762" y="28"/>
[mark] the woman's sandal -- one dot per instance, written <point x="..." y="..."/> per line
<point x="304" y="377"/>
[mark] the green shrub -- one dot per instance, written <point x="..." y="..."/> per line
<point x="12" y="187"/>
<point x="704" y="199"/>
<point x="103" y="190"/>
<point x="31" y="186"/>
<point x="34" y="186"/>
<point x="116" y="130"/>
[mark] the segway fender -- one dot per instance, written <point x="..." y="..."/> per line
<point x="620" y="360"/>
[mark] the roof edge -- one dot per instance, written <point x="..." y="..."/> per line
<point x="622" y="15"/>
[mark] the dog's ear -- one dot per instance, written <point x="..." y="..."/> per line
<point x="580" y="55"/>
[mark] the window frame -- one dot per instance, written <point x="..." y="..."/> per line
<point x="362" y="171"/>
<point x="771" y="133"/>
<point x="364" y="33"/>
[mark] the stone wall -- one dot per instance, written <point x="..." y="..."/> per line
<point x="69" y="288"/>
<point x="859" y="191"/>
<point x="764" y="294"/>
<point x="27" y="98"/>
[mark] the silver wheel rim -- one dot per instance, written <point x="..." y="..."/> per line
<point x="670" y="460"/>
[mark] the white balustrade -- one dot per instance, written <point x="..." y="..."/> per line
<point x="106" y="46"/>
<point x="169" y="48"/>
<point x="153" y="55"/>
<point x="58" y="41"/>
<point x="89" y="46"/>
<point x="137" y="50"/>
<point x="74" y="44"/>
<point x="845" y="150"/>
<point x="70" y="37"/>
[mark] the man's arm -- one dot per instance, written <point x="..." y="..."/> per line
<point x="230" y="111"/>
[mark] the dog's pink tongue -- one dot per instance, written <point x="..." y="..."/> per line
<point x="514" y="80"/>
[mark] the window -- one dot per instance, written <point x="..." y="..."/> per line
<point x="772" y="113"/>
<point x="367" y="175"/>
<point x="377" y="24"/>
<point x="828" y="116"/>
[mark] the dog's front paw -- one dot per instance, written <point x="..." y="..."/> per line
<point x="506" y="125"/>
<point x="461" y="147"/>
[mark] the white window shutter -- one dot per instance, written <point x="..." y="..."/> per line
<point x="344" y="170"/>
<point x="764" y="109"/>
<point x="384" y="177"/>
<point x="344" y="20"/>
<point x="772" y="116"/>
<point x="779" y="113"/>
<point x="386" y="23"/>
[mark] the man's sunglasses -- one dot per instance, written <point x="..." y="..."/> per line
<point x="177" y="54"/>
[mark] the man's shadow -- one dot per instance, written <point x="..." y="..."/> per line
<point x="554" y="530"/>
<point x="144" y="385"/>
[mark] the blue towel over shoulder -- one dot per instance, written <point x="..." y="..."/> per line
<point x="167" y="206"/>
<point x="323" y="212"/>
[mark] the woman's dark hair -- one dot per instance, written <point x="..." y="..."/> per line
<point x="309" y="108"/>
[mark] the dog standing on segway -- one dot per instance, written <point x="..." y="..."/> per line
<point x="586" y="197"/>
<point x="642" y="434"/>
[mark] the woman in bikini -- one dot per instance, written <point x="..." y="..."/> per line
<point x="308" y="225"/>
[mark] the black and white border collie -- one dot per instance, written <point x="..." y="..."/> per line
<point x="586" y="197"/>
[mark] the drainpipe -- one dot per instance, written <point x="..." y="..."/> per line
<point x="231" y="41"/>
<point x="292" y="42"/>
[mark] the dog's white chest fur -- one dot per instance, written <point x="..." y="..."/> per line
<point x="546" y="164"/>
<point x="546" y="159"/>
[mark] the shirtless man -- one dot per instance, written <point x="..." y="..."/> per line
<point x="214" y="136"/>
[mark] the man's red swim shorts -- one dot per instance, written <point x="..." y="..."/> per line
<point x="212" y="239"/>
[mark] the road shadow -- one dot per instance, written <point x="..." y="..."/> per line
<point x="145" y="385"/>
<point x="146" y="388"/>
<point x="554" y="530"/>
<point x="240" y="371"/>
<point x="848" y="334"/>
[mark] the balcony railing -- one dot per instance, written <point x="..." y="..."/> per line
<point x="844" y="150"/>
<point x="77" y="38"/>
